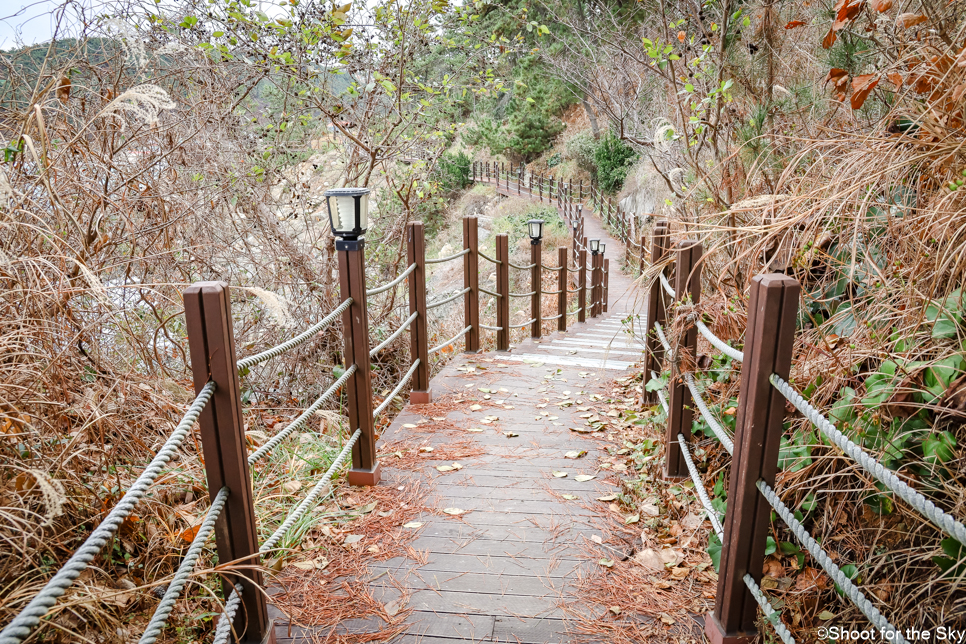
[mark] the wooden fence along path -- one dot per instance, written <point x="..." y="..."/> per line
<point x="492" y="543"/>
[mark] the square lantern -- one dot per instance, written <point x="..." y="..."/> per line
<point x="594" y="246"/>
<point x="602" y="247"/>
<point x="535" y="228"/>
<point x="348" y="211"/>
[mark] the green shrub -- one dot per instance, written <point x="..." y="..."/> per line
<point x="453" y="171"/>
<point x="614" y="159"/>
<point x="581" y="148"/>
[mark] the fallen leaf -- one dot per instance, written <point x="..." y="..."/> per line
<point x="649" y="510"/>
<point x="650" y="559"/>
<point x="906" y="20"/>
<point x="881" y="5"/>
<point x="571" y="497"/>
<point x="794" y="23"/>
<point x="409" y="425"/>
<point x="667" y="619"/>
<point x="681" y="37"/>
<point x="826" y="615"/>
<point x="679" y="573"/>
<point x="575" y="454"/>
<point x="583" y="478"/>
<point x="444" y="468"/>
<point x="352" y="538"/>
<point x="861" y="87"/>
<point x="559" y="475"/>
<point x="314" y="564"/>
<point x="609" y="497"/>
<point x="634" y="518"/>
<point x="454" y="511"/>
<point x="425" y="449"/>
<point x="475" y="430"/>
<point x="292" y="486"/>
<point x="829" y="39"/>
<point x="607" y="563"/>
<point x="895" y="78"/>
<point x="510" y="434"/>
<point x="476" y="407"/>
<point x="413" y="524"/>
<point x="596" y="538"/>
<point x="616" y="609"/>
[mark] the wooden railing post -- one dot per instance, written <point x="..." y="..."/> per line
<point x="582" y="282"/>
<point x="419" y="329"/>
<point x="503" y="288"/>
<point x="540" y="186"/>
<point x="355" y="332"/>
<point x="519" y="180"/>
<point x="769" y="341"/>
<point x="207" y="308"/>
<point x="536" y="285"/>
<point x="657" y="304"/>
<point x="643" y="250"/>
<point x="687" y="288"/>
<point x="603" y="295"/>
<point x="471" y="280"/>
<point x="562" y="282"/>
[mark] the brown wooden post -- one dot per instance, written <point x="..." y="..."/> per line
<point x="598" y="281"/>
<point x="603" y="295"/>
<point x="657" y="305"/>
<point x="419" y="329"/>
<point x="355" y="331"/>
<point x="503" y="288"/>
<point x="530" y="184"/>
<point x="769" y="341"/>
<point x="581" y="189"/>
<point x="471" y="280"/>
<point x="643" y="248"/>
<point x="687" y="287"/>
<point x="540" y="186"/>
<point x="536" y="285"/>
<point x="582" y="282"/>
<point x="562" y="281"/>
<point x="519" y="180"/>
<point x="207" y="308"/>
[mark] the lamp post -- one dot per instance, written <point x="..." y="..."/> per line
<point x="535" y="229"/>
<point x="349" y="219"/>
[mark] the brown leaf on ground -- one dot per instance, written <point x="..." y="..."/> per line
<point x="861" y="87"/>
<point x="906" y="20"/>
<point x="811" y="578"/>
<point x="795" y="23"/>
<point x="881" y="5"/>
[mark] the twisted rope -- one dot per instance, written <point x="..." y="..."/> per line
<point x="699" y="488"/>
<point x="923" y="505"/>
<point x="711" y="420"/>
<point x="294" y="342"/>
<point x="260" y="453"/>
<point x="663" y="401"/>
<point x="399" y="387"/>
<point x="718" y="343"/>
<point x="522" y="294"/>
<point x="522" y="268"/>
<point x="440" y="260"/>
<point x="667" y="286"/>
<point x="223" y="631"/>
<point x="385" y="343"/>
<point x="383" y="289"/>
<point x="769" y="612"/>
<point x="839" y="577"/>
<point x="660" y="336"/>
<point x="451" y="340"/>
<point x="553" y="318"/>
<point x="161" y="613"/>
<point x="557" y="292"/>
<point x="483" y="290"/>
<point x="488" y="258"/>
<point x="449" y="299"/>
<point x="310" y="498"/>
<point x="491" y="328"/>
<point x="22" y="625"/>
<point x="577" y="311"/>
<point x="527" y="323"/>
<point x="549" y="268"/>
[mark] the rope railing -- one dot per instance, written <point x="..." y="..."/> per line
<point x="395" y="334"/>
<point x="718" y="343"/>
<point x="223" y="630"/>
<point x="491" y="328"/>
<point x="924" y="506"/>
<point x="708" y="417"/>
<point x="576" y="311"/>
<point x="399" y="278"/>
<point x="523" y="324"/>
<point x="247" y="363"/>
<point x="450" y="341"/>
<point x="483" y="290"/>
<point x="664" y="283"/>
<point x="449" y="299"/>
<point x="770" y="613"/>
<point x="488" y="258"/>
<point x="440" y="260"/>
<point x="557" y="292"/>
<point x="660" y="336"/>
<point x="310" y="498"/>
<point x="700" y="489"/>
<point x="23" y="624"/>
<point x="522" y="268"/>
<point x="180" y="579"/>
<point x="555" y="317"/>
<point x="395" y="392"/>
<point x="303" y="418"/>
<point x="552" y="268"/>
<point x="840" y="578"/>
<point x="530" y="294"/>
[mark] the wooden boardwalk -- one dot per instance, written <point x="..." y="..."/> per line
<point x="502" y="570"/>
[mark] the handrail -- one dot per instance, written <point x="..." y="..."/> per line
<point x="279" y="349"/>
<point x="483" y="290"/>
<point x="385" y="343"/>
<point x="449" y="299"/>
<point x="451" y="340"/>
<point x="395" y="392"/>
<point x="28" y="618"/>
<point x="522" y="268"/>
<point x="488" y="258"/>
<point x="522" y="294"/>
<point x="440" y="260"/>
<point x="576" y="311"/>
<point x="527" y="323"/>
<point x="551" y="268"/>
<point x="400" y="278"/>
<point x="555" y="317"/>
<point x="491" y="328"/>
<point x="718" y="343"/>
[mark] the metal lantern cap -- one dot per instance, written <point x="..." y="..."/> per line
<point x="594" y="246"/>
<point x="348" y="211"/>
<point x="602" y="247"/>
<point x="535" y="228"/>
